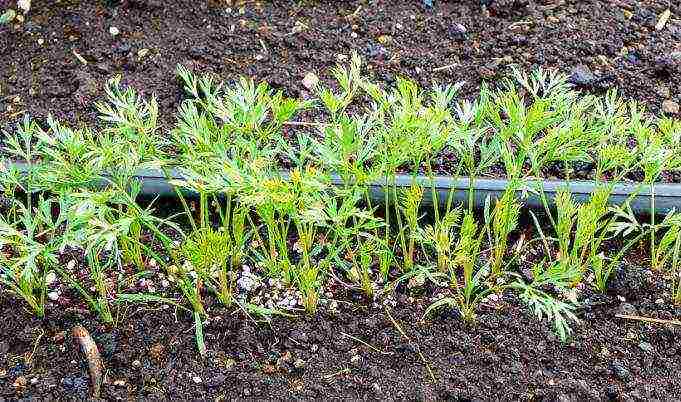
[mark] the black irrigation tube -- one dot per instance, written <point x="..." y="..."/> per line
<point x="667" y="196"/>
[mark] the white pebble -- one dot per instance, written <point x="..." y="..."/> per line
<point x="114" y="31"/>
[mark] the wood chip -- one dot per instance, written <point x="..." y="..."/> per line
<point x="662" y="21"/>
<point x="79" y="57"/>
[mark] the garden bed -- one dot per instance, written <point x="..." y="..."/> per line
<point x="296" y="251"/>
<point x="279" y="43"/>
<point x="354" y="351"/>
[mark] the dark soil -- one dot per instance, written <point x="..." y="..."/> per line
<point x="603" y="44"/>
<point x="355" y="351"/>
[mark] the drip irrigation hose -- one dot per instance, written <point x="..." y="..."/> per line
<point x="667" y="196"/>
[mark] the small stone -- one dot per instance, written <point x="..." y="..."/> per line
<point x="384" y="39"/>
<point x="20" y="382"/>
<point x="376" y="388"/>
<point x="24" y="5"/>
<point x="50" y="278"/>
<point x="552" y="19"/>
<point x="310" y="80"/>
<point x="626" y="309"/>
<point x="356" y="360"/>
<point x="119" y="383"/>
<point x="34" y="380"/>
<point x="670" y="107"/>
<point x="645" y="346"/>
<point x="41" y="41"/>
<point x="620" y="371"/>
<point x="70" y="265"/>
<point x="197" y="379"/>
<point x="136" y="364"/>
<point x="140" y="55"/>
<point x="114" y="31"/>
<point x="299" y="364"/>
<point x="54" y="296"/>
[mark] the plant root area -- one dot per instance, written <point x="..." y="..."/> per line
<point x="357" y="350"/>
<point x="57" y="60"/>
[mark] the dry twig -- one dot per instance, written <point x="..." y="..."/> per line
<point x="94" y="360"/>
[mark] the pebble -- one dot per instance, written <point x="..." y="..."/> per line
<point x="197" y="379"/>
<point x="645" y="346"/>
<point x="114" y="31"/>
<point x="670" y="107"/>
<point x="119" y="383"/>
<point x="384" y="39"/>
<point x="20" y="382"/>
<point x="310" y="80"/>
<point x="620" y="371"/>
<point x="136" y="364"/>
<point x="626" y="309"/>
<point x="50" y="278"/>
<point x="299" y="363"/>
<point x="24" y="5"/>
<point x="54" y="296"/>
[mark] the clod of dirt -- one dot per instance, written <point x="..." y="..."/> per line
<point x="581" y="75"/>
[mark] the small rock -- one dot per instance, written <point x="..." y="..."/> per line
<point x="457" y="31"/>
<point x="197" y="379"/>
<point x="54" y="296"/>
<point x="310" y="80"/>
<point x="620" y="371"/>
<point x="356" y="360"/>
<point x="376" y="388"/>
<point x="299" y="364"/>
<point x="34" y="380"/>
<point x="70" y="265"/>
<point x="626" y="309"/>
<point x="416" y="281"/>
<point x="375" y="51"/>
<point x="50" y="278"/>
<point x="670" y="107"/>
<point x="119" y="383"/>
<point x="24" y="5"/>
<point x="41" y="41"/>
<point x="114" y="31"/>
<point x="384" y="39"/>
<point x="645" y="346"/>
<point x="20" y="382"/>
<point x="216" y="381"/>
<point x="136" y="364"/>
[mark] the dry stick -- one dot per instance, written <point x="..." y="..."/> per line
<point x="95" y="364"/>
<point x="365" y="344"/>
<point x="448" y="66"/>
<point x="415" y="346"/>
<point x="305" y="123"/>
<point x="648" y="319"/>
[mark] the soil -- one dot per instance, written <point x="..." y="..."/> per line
<point x="351" y="349"/>
<point x="354" y="350"/>
<point x="57" y="60"/>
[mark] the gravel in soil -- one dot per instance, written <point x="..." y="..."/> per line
<point x="355" y="350"/>
<point x="57" y="59"/>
